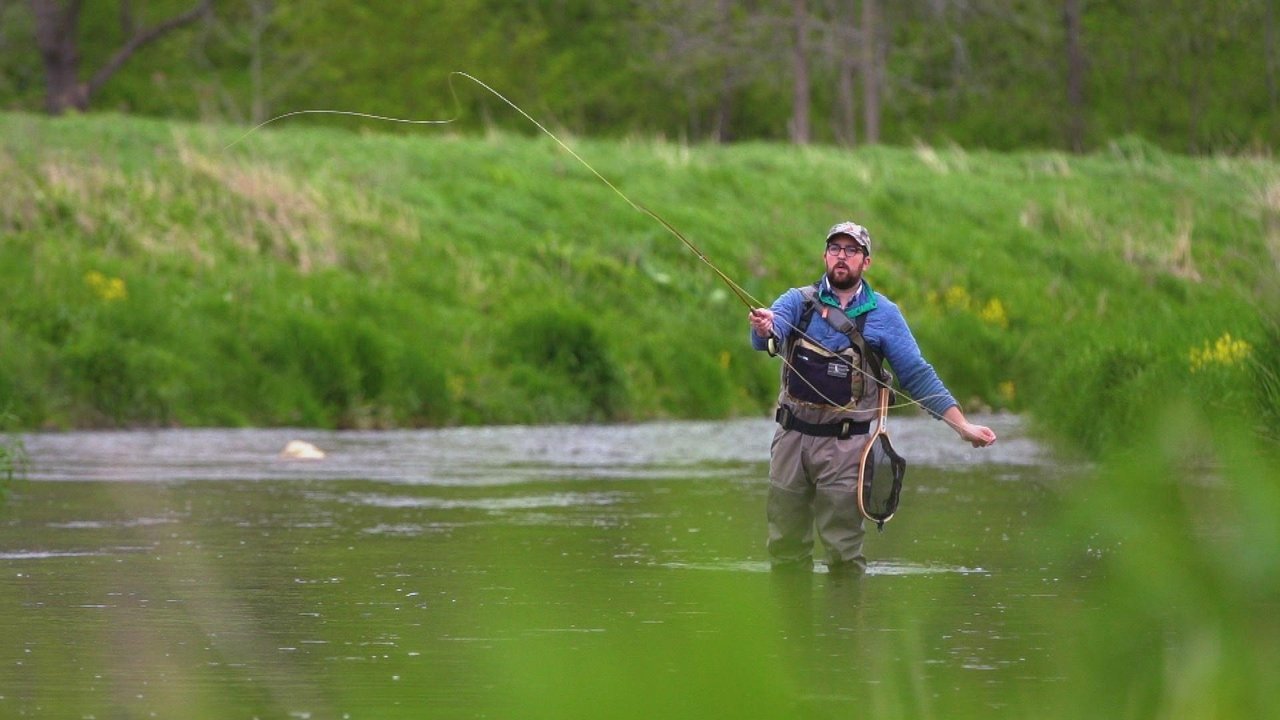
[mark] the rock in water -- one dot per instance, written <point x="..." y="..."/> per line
<point x="301" y="450"/>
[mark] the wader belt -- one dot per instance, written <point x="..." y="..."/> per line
<point x="843" y="429"/>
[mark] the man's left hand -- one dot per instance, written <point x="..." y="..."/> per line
<point x="977" y="435"/>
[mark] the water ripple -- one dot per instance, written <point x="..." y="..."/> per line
<point x="476" y="456"/>
<point x="886" y="567"/>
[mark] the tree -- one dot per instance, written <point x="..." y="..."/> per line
<point x="1075" y="76"/>
<point x="56" y="25"/>
<point x="248" y="58"/>
<point x="800" y="97"/>
<point x="721" y="127"/>
<point x="703" y="58"/>
<point x="870" y="72"/>
<point x="844" y="37"/>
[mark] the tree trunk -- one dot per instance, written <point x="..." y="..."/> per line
<point x="1273" y="57"/>
<point x="846" y="123"/>
<point x="870" y="72"/>
<point x="128" y="24"/>
<point x="1075" y="127"/>
<point x="723" y="128"/>
<point x="55" y="28"/>
<point x="800" y="134"/>
<point x="260" y="20"/>
<point x="723" y="124"/>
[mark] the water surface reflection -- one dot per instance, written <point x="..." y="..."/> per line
<point x="472" y="572"/>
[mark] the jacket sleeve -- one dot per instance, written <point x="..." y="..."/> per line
<point x="786" y="313"/>
<point x="887" y="331"/>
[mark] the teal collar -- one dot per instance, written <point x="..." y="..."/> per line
<point x="863" y="302"/>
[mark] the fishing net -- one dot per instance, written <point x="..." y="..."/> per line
<point x="880" y="472"/>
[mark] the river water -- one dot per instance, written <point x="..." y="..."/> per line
<point x="564" y="571"/>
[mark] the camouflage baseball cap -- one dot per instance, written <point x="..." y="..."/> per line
<point x="855" y="231"/>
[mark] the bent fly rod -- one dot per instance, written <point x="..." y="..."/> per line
<point x="751" y="303"/>
<point x="738" y="291"/>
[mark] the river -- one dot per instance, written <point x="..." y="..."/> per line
<point x="563" y="571"/>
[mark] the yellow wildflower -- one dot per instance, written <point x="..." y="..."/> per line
<point x="109" y="289"/>
<point x="993" y="313"/>
<point x="957" y="298"/>
<point x="1225" y="351"/>
<point x="457" y="386"/>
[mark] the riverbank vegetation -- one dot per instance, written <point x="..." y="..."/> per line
<point x="153" y="276"/>
<point x="13" y="462"/>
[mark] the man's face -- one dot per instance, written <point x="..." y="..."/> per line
<point x="846" y="260"/>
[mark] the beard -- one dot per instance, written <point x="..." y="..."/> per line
<point x="848" y="282"/>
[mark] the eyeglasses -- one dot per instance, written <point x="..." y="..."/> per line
<point x="846" y="250"/>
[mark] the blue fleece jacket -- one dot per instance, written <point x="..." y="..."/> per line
<point x="885" y="331"/>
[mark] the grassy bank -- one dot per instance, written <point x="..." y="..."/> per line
<point x="309" y="276"/>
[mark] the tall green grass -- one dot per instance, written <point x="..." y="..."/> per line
<point x="1177" y="618"/>
<point x="13" y="458"/>
<point x="151" y="275"/>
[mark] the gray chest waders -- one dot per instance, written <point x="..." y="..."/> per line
<point x="814" y="376"/>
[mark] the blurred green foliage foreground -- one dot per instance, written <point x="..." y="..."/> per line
<point x="151" y="275"/>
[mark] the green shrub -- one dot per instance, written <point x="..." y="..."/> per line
<point x="1180" y="578"/>
<point x="13" y="456"/>
<point x="1100" y="396"/>
<point x="420" y="393"/>
<point x="305" y="374"/>
<point x="121" y="381"/>
<point x="698" y="385"/>
<point x="370" y="355"/>
<point x="558" y="353"/>
<point x="1265" y="377"/>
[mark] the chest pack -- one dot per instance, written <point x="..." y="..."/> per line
<point x="815" y="375"/>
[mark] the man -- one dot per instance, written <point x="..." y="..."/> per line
<point x="832" y="373"/>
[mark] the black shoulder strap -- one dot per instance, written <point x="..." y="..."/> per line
<point x="810" y="295"/>
<point x="852" y="329"/>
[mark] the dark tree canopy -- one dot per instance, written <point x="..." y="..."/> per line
<point x="1183" y="74"/>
